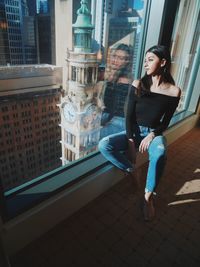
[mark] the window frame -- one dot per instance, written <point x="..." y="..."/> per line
<point x="54" y="182"/>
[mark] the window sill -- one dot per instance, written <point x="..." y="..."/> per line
<point x="29" y="225"/>
<point x="24" y="197"/>
<point x="34" y="192"/>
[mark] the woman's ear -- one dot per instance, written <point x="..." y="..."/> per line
<point x="163" y="62"/>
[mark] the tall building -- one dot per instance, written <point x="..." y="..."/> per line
<point x="123" y="28"/>
<point x="43" y="29"/>
<point x="45" y="33"/>
<point x="29" y="40"/>
<point x="13" y="20"/>
<point x="4" y="40"/>
<point x="80" y="116"/>
<point x="115" y="21"/>
<point x="29" y="122"/>
<point x="42" y="6"/>
<point x="32" y="7"/>
<point x="24" y="7"/>
<point x="15" y="31"/>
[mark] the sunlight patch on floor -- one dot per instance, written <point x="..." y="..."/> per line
<point x="186" y="201"/>
<point x="191" y="186"/>
<point x="197" y="170"/>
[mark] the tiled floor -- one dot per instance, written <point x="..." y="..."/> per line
<point x="110" y="231"/>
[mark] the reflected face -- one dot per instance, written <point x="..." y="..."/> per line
<point x="153" y="63"/>
<point x="119" y="59"/>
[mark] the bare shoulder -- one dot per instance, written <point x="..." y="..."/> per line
<point x="136" y="83"/>
<point x="175" y="91"/>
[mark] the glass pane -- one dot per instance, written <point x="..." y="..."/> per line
<point x="42" y="126"/>
<point x="96" y="109"/>
<point x="184" y="47"/>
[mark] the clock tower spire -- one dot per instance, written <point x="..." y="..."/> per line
<point x="80" y="116"/>
<point x="83" y="29"/>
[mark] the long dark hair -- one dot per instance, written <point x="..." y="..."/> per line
<point x="129" y="50"/>
<point x="162" y="52"/>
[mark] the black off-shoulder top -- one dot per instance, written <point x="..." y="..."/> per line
<point x="150" y="109"/>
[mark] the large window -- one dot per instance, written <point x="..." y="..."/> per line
<point x="185" y="42"/>
<point x="34" y="125"/>
<point x="52" y="117"/>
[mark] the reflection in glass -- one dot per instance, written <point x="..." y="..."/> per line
<point x="31" y="140"/>
<point x="118" y="77"/>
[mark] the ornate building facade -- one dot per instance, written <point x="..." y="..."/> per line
<point x="80" y="115"/>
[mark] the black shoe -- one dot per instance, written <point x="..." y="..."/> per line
<point x="148" y="210"/>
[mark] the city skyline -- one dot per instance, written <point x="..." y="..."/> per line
<point x="35" y="33"/>
<point x="21" y="24"/>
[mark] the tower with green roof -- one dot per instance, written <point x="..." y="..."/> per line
<point x="80" y="116"/>
<point x="83" y="29"/>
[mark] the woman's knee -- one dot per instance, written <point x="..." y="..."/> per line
<point x="103" y="144"/>
<point x="158" y="147"/>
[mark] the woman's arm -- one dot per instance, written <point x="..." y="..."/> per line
<point x="130" y="116"/>
<point x="144" y="145"/>
<point x="167" y="117"/>
<point x="130" y="123"/>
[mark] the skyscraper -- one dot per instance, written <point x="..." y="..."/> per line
<point x="16" y="27"/>
<point x="44" y="32"/>
<point x="12" y="16"/>
<point x="31" y="7"/>
<point x="4" y="40"/>
<point x="42" y="6"/>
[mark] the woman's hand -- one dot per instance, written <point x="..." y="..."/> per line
<point x="144" y="145"/>
<point x="131" y="153"/>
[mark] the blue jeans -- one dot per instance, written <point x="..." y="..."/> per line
<point x="115" y="125"/>
<point x="113" y="147"/>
